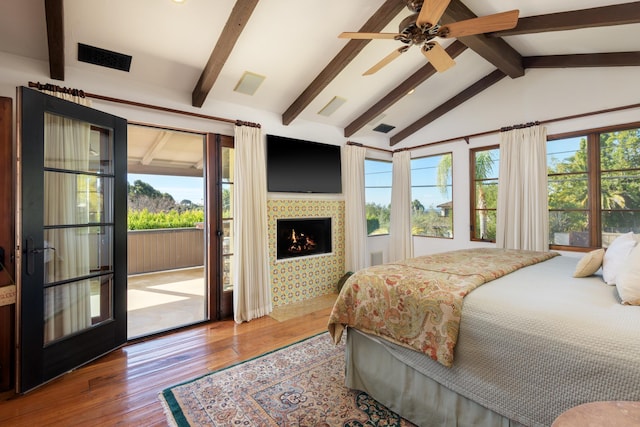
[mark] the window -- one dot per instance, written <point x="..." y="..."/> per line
<point x="431" y="195"/>
<point x="227" y="218"/>
<point x="377" y="194"/>
<point x="485" y="165"/>
<point x="594" y="187"/>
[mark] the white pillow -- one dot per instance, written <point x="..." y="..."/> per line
<point x="615" y="256"/>
<point x="628" y="279"/>
<point x="589" y="263"/>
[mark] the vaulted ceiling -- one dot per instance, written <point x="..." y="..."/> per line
<point x="202" y="49"/>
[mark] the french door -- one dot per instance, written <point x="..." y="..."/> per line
<point x="72" y="234"/>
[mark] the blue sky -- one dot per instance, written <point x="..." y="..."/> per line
<point x="423" y="180"/>
<point x="180" y="187"/>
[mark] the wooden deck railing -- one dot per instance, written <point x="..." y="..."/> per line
<point x="164" y="249"/>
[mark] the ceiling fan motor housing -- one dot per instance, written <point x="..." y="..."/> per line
<point x="412" y="34"/>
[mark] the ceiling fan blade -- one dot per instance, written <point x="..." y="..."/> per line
<point x="431" y="12"/>
<point x="366" y="36"/>
<point x="483" y="24"/>
<point x="386" y="60"/>
<point x="438" y="57"/>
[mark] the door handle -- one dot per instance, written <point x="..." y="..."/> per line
<point x="31" y="251"/>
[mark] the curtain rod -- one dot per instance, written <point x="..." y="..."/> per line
<point x="55" y="88"/>
<point x="250" y="124"/>
<point x="520" y="126"/>
<point x="39" y="86"/>
<point x="357" y="144"/>
<point x="558" y="119"/>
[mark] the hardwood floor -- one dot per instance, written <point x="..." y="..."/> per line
<point x="121" y="388"/>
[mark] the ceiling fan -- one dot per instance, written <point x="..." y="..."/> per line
<point x="422" y="27"/>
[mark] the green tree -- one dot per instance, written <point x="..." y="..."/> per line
<point x="619" y="154"/>
<point x="378" y="218"/>
<point x="486" y="191"/>
<point x="142" y="195"/>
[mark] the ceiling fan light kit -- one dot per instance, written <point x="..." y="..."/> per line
<point x="420" y="28"/>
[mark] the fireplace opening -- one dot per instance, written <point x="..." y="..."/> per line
<point x="303" y="237"/>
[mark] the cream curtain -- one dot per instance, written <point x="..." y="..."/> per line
<point x="355" y="223"/>
<point x="252" y="284"/>
<point x="66" y="146"/>
<point x="401" y="243"/>
<point x="522" y="214"/>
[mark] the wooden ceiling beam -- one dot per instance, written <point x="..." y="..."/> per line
<point x="494" y="50"/>
<point x="54" y="13"/>
<point x="613" y="59"/>
<point x="417" y="78"/>
<point x="236" y="23"/>
<point x="380" y="19"/>
<point x="618" y="14"/>
<point x="448" y="105"/>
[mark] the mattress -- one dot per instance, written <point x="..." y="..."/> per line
<point x="537" y="342"/>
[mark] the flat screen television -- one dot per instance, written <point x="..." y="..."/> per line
<point x="299" y="166"/>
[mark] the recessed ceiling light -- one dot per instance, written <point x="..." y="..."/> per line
<point x="335" y="103"/>
<point x="179" y="1"/>
<point x="411" y="91"/>
<point x="249" y="83"/>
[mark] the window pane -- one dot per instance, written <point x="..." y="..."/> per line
<point x="227" y="273"/>
<point x="227" y="200"/>
<point x="90" y="149"/>
<point x="620" y="222"/>
<point x="619" y="183"/>
<point x="486" y="194"/>
<point x="377" y="182"/>
<point x="569" y="228"/>
<point x="227" y="237"/>
<point x="76" y="252"/>
<point x="568" y="191"/>
<point x="227" y="164"/>
<point x="567" y="155"/>
<point x="620" y="150"/>
<point x="620" y="190"/>
<point x="487" y="163"/>
<point x="485" y="225"/>
<point x="431" y="195"/>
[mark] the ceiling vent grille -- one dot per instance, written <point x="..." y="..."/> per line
<point x="104" y="58"/>
<point x="384" y="128"/>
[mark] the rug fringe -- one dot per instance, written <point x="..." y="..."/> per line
<point x="167" y="411"/>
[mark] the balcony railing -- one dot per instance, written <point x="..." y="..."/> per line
<point x="164" y="249"/>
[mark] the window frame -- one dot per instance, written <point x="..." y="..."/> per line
<point x="472" y="190"/>
<point x="594" y="176"/>
<point x="390" y="162"/>
<point x="450" y="153"/>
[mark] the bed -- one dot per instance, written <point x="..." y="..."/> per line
<point x="529" y="343"/>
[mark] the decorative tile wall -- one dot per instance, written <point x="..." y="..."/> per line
<point x="302" y="278"/>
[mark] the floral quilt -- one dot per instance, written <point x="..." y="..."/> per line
<point x="417" y="302"/>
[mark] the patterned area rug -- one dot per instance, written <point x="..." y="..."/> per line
<point x="298" y="385"/>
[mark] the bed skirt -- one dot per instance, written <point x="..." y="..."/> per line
<point x="371" y="368"/>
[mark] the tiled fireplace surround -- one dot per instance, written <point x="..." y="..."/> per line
<point x="302" y="278"/>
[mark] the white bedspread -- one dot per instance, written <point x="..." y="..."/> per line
<point x="538" y="342"/>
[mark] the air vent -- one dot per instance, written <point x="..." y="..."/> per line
<point x="384" y="128"/>
<point x="104" y="58"/>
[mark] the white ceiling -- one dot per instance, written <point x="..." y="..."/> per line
<point x="289" y="42"/>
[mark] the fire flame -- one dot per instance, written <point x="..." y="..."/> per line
<point x="300" y="242"/>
